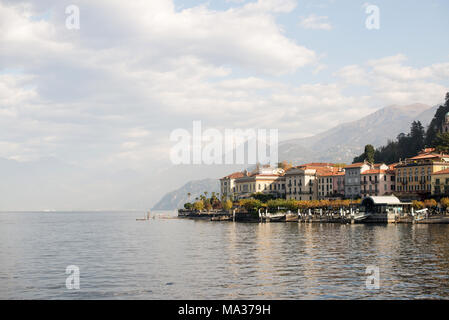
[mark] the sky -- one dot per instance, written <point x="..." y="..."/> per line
<point x="107" y="95"/>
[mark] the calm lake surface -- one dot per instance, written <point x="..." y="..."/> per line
<point x="121" y="258"/>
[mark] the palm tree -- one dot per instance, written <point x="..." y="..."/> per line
<point x="188" y="196"/>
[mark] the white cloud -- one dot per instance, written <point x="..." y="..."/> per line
<point x="394" y="82"/>
<point x="315" y="22"/>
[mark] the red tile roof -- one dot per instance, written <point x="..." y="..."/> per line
<point x="327" y="172"/>
<point x="234" y="175"/>
<point x="355" y="165"/>
<point x="428" y="156"/>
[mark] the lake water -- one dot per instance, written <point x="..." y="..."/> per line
<point x="121" y="258"/>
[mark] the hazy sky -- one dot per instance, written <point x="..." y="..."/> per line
<point x="110" y="93"/>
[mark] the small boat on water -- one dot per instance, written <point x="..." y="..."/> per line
<point x="221" y="218"/>
<point x="361" y="216"/>
<point x="420" y="214"/>
<point x="292" y="217"/>
<point x="273" y="217"/>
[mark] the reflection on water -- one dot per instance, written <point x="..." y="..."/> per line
<point x="121" y="258"/>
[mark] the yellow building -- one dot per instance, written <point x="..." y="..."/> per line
<point x="263" y="180"/>
<point x="227" y="184"/>
<point x="440" y="183"/>
<point x="414" y="175"/>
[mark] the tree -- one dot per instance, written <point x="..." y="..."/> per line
<point x="417" y="136"/>
<point x="207" y="205"/>
<point x="430" y="203"/>
<point x="285" y="165"/>
<point x="369" y="153"/>
<point x="263" y="197"/>
<point x="442" y="142"/>
<point x="418" y="205"/>
<point x="188" y="206"/>
<point x="444" y="203"/>
<point x="250" y="204"/>
<point x="227" y="205"/>
<point x="199" y="205"/>
<point x="435" y="124"/>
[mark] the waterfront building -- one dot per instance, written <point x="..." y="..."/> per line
<point x="227" y="184"/>
<point x="357" y="177"/>
<point x="331" y="183"/>
<point x="440" y="183"/>
<point x="385" y="209"/>
<point x="414" y="175"/>
<point x="300" y="184"/>
<point x="378" y="182"/>
<point x="265" y="180"/>
<point x="352" y="178"/>
<point x="302" y="181"/>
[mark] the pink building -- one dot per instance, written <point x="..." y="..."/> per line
<point x="377" y="182"/>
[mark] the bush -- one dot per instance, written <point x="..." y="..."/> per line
<point x="430" y="203"/>
<point x="418" y="205"/>
<point x="250" y="204"/>
<point x="199" y="205"/>
<point x="444" y="202"/>
<point x="227" y="205"/>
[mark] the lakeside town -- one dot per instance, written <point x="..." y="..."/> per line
<point x="326" y="192"/>
<point x="412" y="189"/>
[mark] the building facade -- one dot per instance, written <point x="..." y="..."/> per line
<point x="353" y="177"/>
<point x="302" y="182"/>
<point x="227" y="185"/>
<point x="414" y="175"/>
<point x="331" y="183"/>
<point x="377" y="182"/>
<point x="262" y="180"/>
<point x="440" y="183"/>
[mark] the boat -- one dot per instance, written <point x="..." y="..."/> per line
<point x="421" y="214"/>
<point x="273" y="217"/>
<point x="361" y="216"/>
<point x="292" y="217"/>
<point x="221" y="218"/>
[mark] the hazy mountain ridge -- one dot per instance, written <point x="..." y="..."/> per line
<point x="176" y="199"/>
<point x="342" y="142"/>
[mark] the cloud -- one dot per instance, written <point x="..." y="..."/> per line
<point x="394" y="82"/>
<point x="315" y="22"/>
